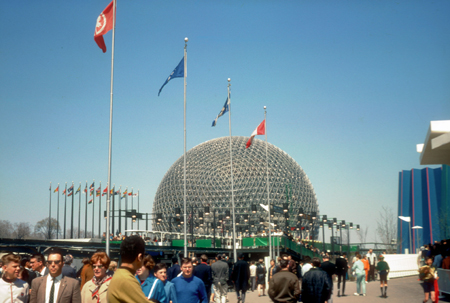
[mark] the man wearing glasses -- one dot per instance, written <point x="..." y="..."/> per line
<point x="54" y="287"/>
<point x="37" y="263"/>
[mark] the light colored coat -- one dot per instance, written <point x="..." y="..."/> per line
<point x="86" y="292"/>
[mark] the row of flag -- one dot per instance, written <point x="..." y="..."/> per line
<point x="70" y="192"/>
<point x="105" y="23"/>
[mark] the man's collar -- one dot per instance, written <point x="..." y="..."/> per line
<point x="57" y="279"/>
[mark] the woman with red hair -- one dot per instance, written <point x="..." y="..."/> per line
<point x="96" y="289"/>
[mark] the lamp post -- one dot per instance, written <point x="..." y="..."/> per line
<point x="407" y="219"/>
<point x="417" y="235"/>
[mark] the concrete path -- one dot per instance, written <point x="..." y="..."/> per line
<point x="399" y="290"/>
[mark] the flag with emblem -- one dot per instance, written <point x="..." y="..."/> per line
<point x="222" y="111"/>
<point x="177" y="72"/>
<point x="104" y="24"/>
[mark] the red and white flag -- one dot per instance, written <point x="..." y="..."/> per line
<point x="104" y="25"/>
<point x="260" y="130"/>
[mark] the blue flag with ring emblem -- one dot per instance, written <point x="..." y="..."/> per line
<point x="222" y="111"/>
<point x="177" y="72"/>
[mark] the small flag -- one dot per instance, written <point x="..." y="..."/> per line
<point x="130" y="194"/>
<point x="98" y="191"/>
<point x="91" y="188"/>
<point x="222" y="111"/>
<point x="104" y="24"/>
<point x="260" y="130"/>
<point x="56" y="189"/>
<point x="105" y="191"/>
<point x="117" y="192"/>
<point x="64" y="191"/>
<point x="135" y="195"/>
<point x="85" y="189"/>
<point x="90" y="201"/>
<point x="78" y="190"/>
<point x="125" y="192"/>
<point x="177" y="72"/>
<point x="71" y="193"/>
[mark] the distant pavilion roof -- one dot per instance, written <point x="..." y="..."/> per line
<point x="436" y="148"/>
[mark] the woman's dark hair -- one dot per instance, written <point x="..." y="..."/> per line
<point x="148" y="262"/>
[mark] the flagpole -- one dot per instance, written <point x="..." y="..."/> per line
<point x="79" y="211"/>
<point x="132" y="207"/>
<point x="93" y="208"/>
<point x="50" y="211"/>
<point x="100" y="212"/>
<point x="138" y="210"/>
<point x="113" y="207"/>
<point x="268" y="193"/>
<point x="184" y="167"/>
<point x="85" y="212"/>
<point x="108" y="196"/>
<point x="71" y="216"/>
<point x="57" y="217"/>
<point x="126" y="209"/>
<point x="120" y="210"/>
<point x="65" y="210"/>
<point x="231" y="168"/>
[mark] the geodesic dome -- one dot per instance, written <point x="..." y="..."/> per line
<point x="208" y="183"/>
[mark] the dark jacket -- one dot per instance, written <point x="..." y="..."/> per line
<point x="240" y="275"/>
<point x="219" y="272"/>
<point x="203" y="272"/>
<point x="330" y="269"/>
<point x="341" y="266"/>
<point x="284" y="287"/>
<point x="173" y="272"/>
<point x="261" y="273"/>
<point x="69" y="271"/>
<point x="315" y="286"/>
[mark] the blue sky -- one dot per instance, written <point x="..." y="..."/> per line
<point x="350" y="88"/>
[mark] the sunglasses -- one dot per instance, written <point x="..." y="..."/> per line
<point x="53" y="262"/>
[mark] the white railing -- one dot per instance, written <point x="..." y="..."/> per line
<point x="402" y="265"/>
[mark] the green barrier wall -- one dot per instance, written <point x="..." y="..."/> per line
<point x="203" y="243"/>
<point x="178" y="243"/>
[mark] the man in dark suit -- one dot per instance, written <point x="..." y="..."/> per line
<point x="37" y="263"/>
<point x="220" y="278"/>
<point x="240" y="277"/>
<point x="174" y="270"/>
<point x="203" y="272"/>
<point x="330" y="269"/>
<point x="60" y="289"/>
<point x="341" y="271"/>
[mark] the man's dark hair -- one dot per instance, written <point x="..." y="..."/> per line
<point x="219" y="257"/>
<point x="284" y="263"/>
<point x="159" y="266"/>
<point x="316" y="262"/>
<point x="204" y="258"/>
<point x="174" y="260"/>
<point x="56" y="251"/>
<point x="39" y="258"/>
<point x="307" y="259"/>
<point x="185" y="261"/>
<point x="131" y="247"/>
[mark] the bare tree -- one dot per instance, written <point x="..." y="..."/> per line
<point x="22" y="230"/>
<point x="362" y="234"/>
<point x="6" y="229"/>
<point x="42" y="228"/>
<point x="387" y="228"/>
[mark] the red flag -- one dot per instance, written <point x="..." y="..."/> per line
<point x="104" y="25"/>
<point x="260" y="130"/>
<point x="105" y="191"/>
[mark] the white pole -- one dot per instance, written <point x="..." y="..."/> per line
<point x="268" y="193"/>
<point x="410" y="243"/>
<point x="184" y="167"/>
<point x="231" y="167"/>
<point x="108" y="196"/>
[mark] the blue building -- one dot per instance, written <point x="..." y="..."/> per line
<point x="424" y="198"/>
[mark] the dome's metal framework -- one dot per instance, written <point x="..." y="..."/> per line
<point x="208" y="183"/>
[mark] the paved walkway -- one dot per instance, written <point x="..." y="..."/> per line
<point x="399" y="290"/>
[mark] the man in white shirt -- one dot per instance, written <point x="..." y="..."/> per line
<point x="253" y="275"/>
<point x="306" y="266"/>
<point x="373" y="262"/>
<point x="54" y="287"/>
<point x="11" y="288"/>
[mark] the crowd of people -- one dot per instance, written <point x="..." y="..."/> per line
<point x="189" y="280"/>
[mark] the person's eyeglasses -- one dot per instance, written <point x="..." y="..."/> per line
<point x="53" y="262"/>
<point x="97" y="266"/>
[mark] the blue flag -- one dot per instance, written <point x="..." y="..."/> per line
<point x="177" y="72"/>
<point x="222" y="111"/>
